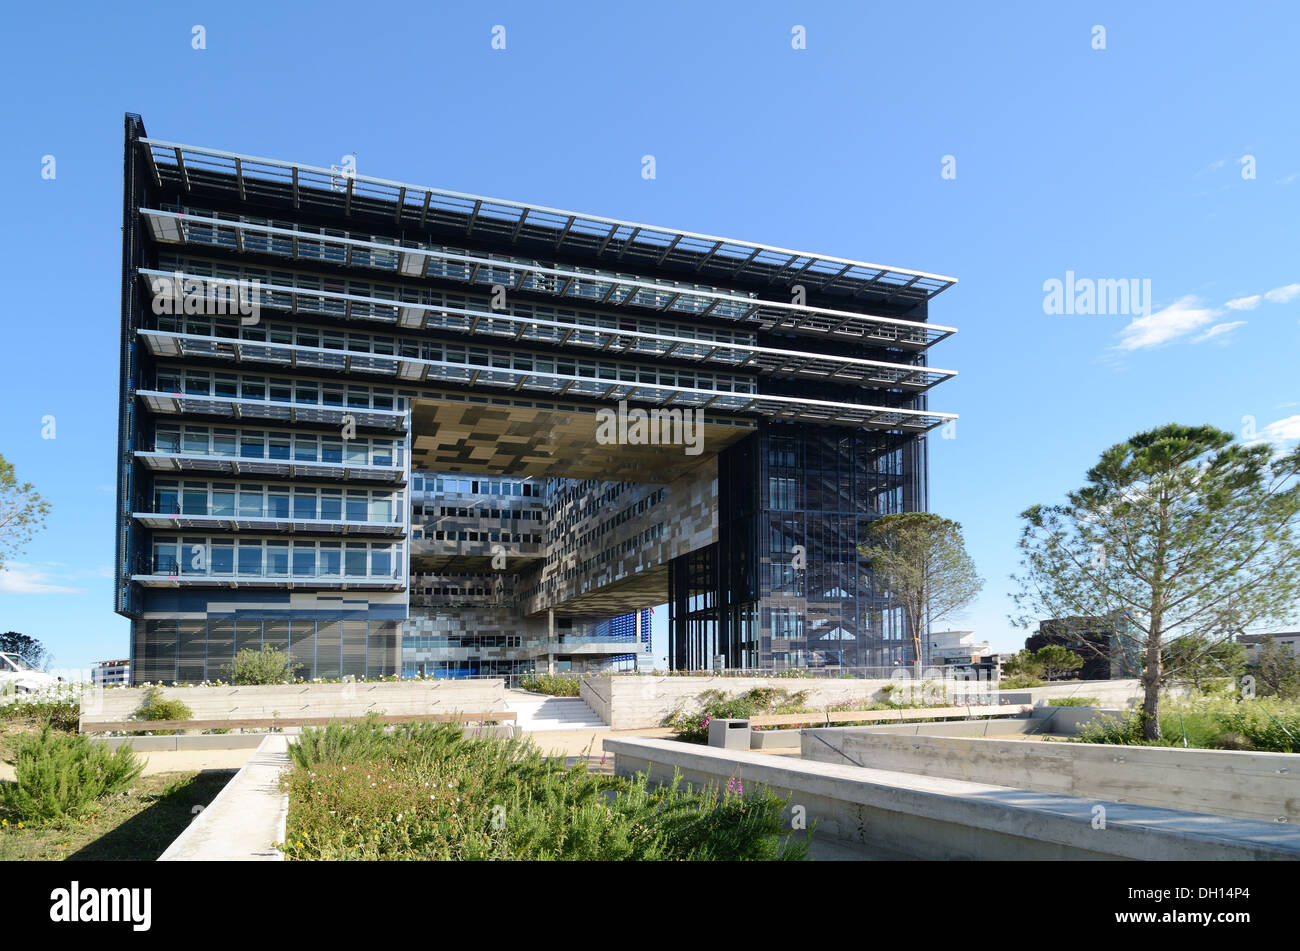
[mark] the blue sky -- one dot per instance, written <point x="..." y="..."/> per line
<point x="1123" y="162"/>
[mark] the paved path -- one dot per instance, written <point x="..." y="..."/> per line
<point x="246" y="819"/>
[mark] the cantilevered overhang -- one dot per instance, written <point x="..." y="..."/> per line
<point x="342" y="192"/>
<point x="575" y="285"/>
<point x="457" y="436"/>
<point x="270" y="468"/>
<point x="412" y="370"/>
<point x="229" y="407"/>
<point x="506" y="323"/>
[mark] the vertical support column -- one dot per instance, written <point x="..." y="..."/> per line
<point x="550" y="640"/>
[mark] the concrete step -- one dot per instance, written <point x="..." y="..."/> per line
<point x="552" y="713"/>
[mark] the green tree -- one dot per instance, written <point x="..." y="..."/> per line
<point x="1200" y="660"/>
<point x="919" y="559"/>
<point x="25" y="646"/>
<point x="1025" y="663"/>
<point x="1057" y="661"/>
<point x="1276" y="670"/>
<point x="22" y="512"/>
<point x="266" y="666"/>
<point x="1179" y="529"/>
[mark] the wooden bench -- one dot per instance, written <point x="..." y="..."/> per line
<point x="265" y="723"/>
<point x="900" y="715"/>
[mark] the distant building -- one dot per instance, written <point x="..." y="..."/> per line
<point x="1107" y="645"/>
<point x="1252" y="642"/>
<point x="108" y="673"/>
<point x="960" y="648"/>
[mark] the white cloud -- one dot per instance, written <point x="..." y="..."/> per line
<point x="1219" y="331"/>
<point x="1244" y="303"/>
<point x="19" y="578"/>
<point x="1164" y="326"/>
<point x="1281" y="432"/>
<point x="1284" y="294"/>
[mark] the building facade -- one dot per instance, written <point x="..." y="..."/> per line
<point x="397" y="429"/>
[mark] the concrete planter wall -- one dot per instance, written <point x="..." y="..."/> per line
<point x="639" y="702"/>
<point x="1222" y="782"/>
<point x="309" y="700"/>
<point x="944" y="819"/>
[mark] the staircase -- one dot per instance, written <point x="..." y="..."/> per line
<point x="536" y="712"/>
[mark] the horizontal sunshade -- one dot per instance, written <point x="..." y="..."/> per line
<point x="767" y="361"/>
<point x="343" y="192"/>
<point x="412" y="370"/>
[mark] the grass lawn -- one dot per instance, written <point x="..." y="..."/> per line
<point x="137" y="826"/>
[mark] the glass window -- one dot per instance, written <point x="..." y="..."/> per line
<point x="331" y="450"/>
<point x="304" y="560"/>
<point x="166" y="440"/>
<point x="381" y="562"/>
<point x="223" y="444"/>
<point x="166" y="498"/>
<point x="277" y="503"/>
<point x="164" y="557"/>
<point x="196" y="441"/>
<point x="194" y="499"/>
<point x="304" y="503"/>
<point x="356" y="511"/>
<point x="329" y="554"/>
<point x="252" y="445"/>
<point x="194" y="556"/>
<point x="383" y="454"/>
<point x="250" y="501"/>
<point x="278" y="446"/>
<point x="331" y="505"/>
<point x="356" y="561"/>
<point x="381" y="510"/>
<point x="304" y="448"/>
<point x="223" y="500"/>
<point x="223" y="556"/>
<point x="250" y="559"/>
<point x="277" y="559"/>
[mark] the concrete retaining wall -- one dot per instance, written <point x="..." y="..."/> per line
<point x="1223" y="782"/>
<point x="638" y="702"/>
<point x="310" y="700"/>
<point x="1120" y="694"/>
<point x="930" y="818"/>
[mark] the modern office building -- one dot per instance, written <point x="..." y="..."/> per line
<point x="111" y="673"/>
<point x="389" y="427"/>
<point x="1111" y="647"/>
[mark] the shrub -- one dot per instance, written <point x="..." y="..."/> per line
<point x="1073" y="702"/>
<point x="1018" y="682"/>
<point x="60" y="776"/>
<point x="254" y="668"/>
<point x="555" y="686"/>
<point x="63" y="714"/>
<point x="154" y="706"/>
<point x="427" y="792"/>
<point x="693" y="727"/>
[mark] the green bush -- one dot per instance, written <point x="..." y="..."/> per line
<point x="259" y="668"/>
<point x="154" y="706"/>
<point x="1073" y="702"/>
<point x="62" y="776"/>
<point x="1018" y="682"/>
<point x="1209" y="722"/>
<point x="426" y="792"/>
<point x="63" y="714"/>
<point x="555" y="686"/>
<point x="693" y="726"/>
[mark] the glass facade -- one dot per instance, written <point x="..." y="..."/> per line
<point x="375" y="463"/>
